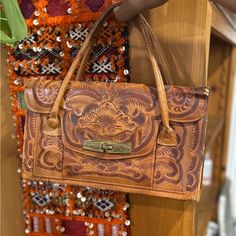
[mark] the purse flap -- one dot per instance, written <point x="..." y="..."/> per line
<point x="120" y="116"/>
<point x="185" y="104"/>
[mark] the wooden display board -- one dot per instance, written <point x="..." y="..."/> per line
<point x="12" y="223"/>
<point x="184" y="29"/>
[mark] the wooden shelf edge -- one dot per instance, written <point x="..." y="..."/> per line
<point x="221" y="27"/>
<point x="215" y="124"/>
<point x="205" y="208"/>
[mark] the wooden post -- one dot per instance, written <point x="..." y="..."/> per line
<point x="232" y="80"/>
<point x="183" y="28"/>
<point x="158" y="216"/>
<point x="11" y="193"/>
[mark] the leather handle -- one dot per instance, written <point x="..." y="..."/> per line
<point x="167" y="135"/>
<point x="160" y="56"/>
<point x="52" y="120"/>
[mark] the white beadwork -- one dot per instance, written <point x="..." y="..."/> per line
<point x="35" y="224"/>
<point x="51" y="68"/>
<point x="101" y="230"/>
<point x="79" y="33"/>
<point x="48" y="225"/>
<point x="102" y="67"/>
<point x="115" y="230"/>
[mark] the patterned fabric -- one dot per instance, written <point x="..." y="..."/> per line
<point x="56" y="30"/>
<point x="54" y="209"/>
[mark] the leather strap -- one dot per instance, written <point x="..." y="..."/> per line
<point x="53" y="121"/>
<point x="166" y="136"/>
<point x="157" y="49"/>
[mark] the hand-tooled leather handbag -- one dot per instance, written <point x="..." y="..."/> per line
<point x="119" y="136"/>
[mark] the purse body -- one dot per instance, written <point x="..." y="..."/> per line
<point x="107" y="137"/>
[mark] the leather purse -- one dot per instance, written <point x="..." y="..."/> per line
<point x="118" y="136"/>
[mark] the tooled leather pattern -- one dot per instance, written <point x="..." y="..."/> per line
<point x="168" y="163"/>
<point x="45" y="92"/>
<point x="184" y="103"/>
<point x="90" y="113"/>
<point x="181" y="102"/>
<point x="48" y="156"/>
<point x="135" y="170"/>
<point x="51" y="153"/>
<point x="110" y="113"/>
<point x="197" y="154"/>
<point x="29" y="134"/>
<point x="43" y="154"/>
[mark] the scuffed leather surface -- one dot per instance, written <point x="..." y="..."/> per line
<point x="126" y="113"/>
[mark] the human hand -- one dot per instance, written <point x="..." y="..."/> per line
<point x="230" y="4"/>
<point x="130" y="8"/>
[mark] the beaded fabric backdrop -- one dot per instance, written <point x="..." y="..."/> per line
<point x="56" y="30"/>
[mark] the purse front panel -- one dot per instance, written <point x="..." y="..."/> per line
<point x="118" y="113"/>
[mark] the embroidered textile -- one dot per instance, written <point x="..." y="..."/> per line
<point x="57" y="28"/>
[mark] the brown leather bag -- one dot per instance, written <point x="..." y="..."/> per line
<point x="119" y="136"/>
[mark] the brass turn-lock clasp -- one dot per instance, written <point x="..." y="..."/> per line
<point x="107" y="147"/>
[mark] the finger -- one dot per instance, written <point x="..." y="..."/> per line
<point x="125" y="12"/>
<point x="128" y="10"/>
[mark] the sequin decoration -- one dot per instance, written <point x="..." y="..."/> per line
<point x="50" y="204"/>
<point x="56" y="31"/>
<point x="51" y="52"/>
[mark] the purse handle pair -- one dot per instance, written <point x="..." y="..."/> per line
<point x="166" y="135"/>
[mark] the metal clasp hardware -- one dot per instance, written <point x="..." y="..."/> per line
<point x="107" y="147"/>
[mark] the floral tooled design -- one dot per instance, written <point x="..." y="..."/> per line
<point x="168" y="166"/>
<point x="105" y="121"/>
<point x="51" y="160"/>
<point x="135" y="169"/>
<point x="45" y="92"/>
<point x="197" y="156"/>
<point x="181" y="102"/>
<point x="29" y="145"/>
<point x="50" y="156"/>
<point x="107" y="112"/>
